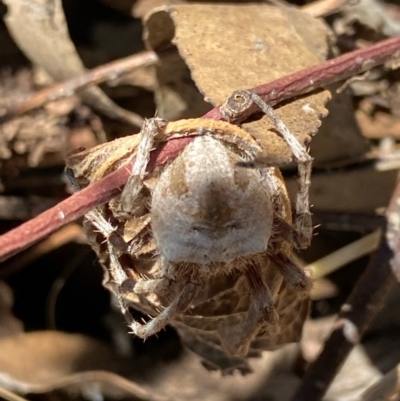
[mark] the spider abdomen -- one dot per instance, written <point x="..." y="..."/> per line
<point x="206" y="208"/>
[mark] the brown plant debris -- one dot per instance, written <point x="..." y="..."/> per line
<point x="225" y="62"/>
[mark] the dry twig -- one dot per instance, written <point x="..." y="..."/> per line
<point x="95" y="76"/>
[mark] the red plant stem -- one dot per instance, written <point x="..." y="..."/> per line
<point x="105" y="189"/>
<point x="81" y="202"/>
<point x="323" y="74"/>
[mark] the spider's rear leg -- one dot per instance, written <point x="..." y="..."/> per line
<point x="184" y="292"/>
<point x="293" y="275"/>
<point x="236" y="339"/>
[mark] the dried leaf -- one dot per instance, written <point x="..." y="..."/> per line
<point x="59" y="354"/>
<point x="40" y="30"/>
<point x="339" y="138"/>
<point x="370" y="13"/>
<point x="241" y="46"/>
<point x="40" y="362"/>
<point x="350" y="190"/>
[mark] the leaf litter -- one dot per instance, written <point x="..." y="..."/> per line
<point x="241" y="44"/>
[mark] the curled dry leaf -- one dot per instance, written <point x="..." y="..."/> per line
<point x="40" y="30"/>
<point x="223" y="48"/>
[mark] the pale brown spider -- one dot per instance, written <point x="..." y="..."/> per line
<point x="206" y="243"/>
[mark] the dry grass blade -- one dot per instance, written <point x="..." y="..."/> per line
<point x="41" y="32"/>
<point x="335" y="260"/>
<point x="10" y="396"/>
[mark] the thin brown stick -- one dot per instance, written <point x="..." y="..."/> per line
<point x="108" y="187"/>
<point x="357" y="313"/>
<point x="95" y="76"/>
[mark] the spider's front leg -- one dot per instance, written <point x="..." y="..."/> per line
<point x="152" y="130"/>
<point x="183" y="294"/>
<point x="238" y="105"/>
<point x="303" y="222"/>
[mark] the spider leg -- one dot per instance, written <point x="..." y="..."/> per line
<point x="303" y="221"/>
<point x="180" y="303"/>
<point x="97" y="219"/>
<point x="152" y="129"/>
<point x="293" y="275"/>
<point x="239" y="106"/>
<point x="159" y="286"/>
<point x="236" y="339"/>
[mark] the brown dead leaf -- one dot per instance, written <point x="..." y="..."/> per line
<point x="40" y="362"/>
<point x="353" y="190"/>
<point x="41" y="357"/>
<point x="40" y="30"/>
<point x="378" y="126"/>
<point x="228" y="47"/>
<point x="339" y="139"/>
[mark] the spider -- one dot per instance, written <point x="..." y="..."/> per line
<point x="206" y="243"/>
